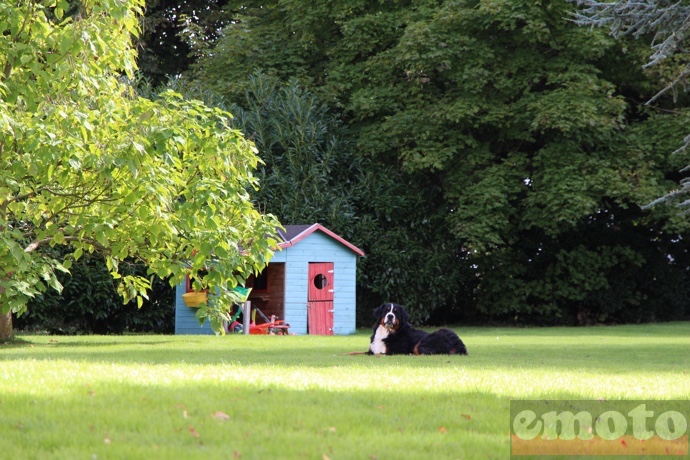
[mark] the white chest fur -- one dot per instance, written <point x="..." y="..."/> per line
<point x="377" y="346"/>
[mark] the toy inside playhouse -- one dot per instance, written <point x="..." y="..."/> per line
<point x="264" y="300"/>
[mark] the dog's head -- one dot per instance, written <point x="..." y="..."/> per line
<point x="391" y="316"/>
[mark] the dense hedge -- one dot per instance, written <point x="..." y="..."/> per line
<point x="90" y="304"/>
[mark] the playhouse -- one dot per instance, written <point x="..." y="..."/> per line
<point x="309" y="283"/>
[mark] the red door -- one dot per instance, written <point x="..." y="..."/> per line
<point x="320" y="305"/>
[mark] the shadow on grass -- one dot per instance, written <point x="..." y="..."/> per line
<point x="59" y="342"/>
<point x="97" y="420"/>
<point x="237" y="420"/>
<point x="14" y="341"/>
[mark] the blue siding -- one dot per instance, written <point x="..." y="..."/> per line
<point x="318" y="247"/>
<point x="185" y="322"/>
<point x="279" y="256"/>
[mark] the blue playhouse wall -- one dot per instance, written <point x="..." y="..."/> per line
<point x="316" y="247"/>
<point x="185" y="322"/>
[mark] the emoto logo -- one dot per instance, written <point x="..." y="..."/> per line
<point x="599" y="428"/>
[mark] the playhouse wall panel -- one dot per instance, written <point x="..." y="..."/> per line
<point x="296" y="294"/>
<point x="318" y="247"/>
<point x="345" y="295"/>
<point x="279" y="256"/>
<point x="185" y="322"/>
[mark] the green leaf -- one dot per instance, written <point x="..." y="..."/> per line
<point x="102" y="238"/>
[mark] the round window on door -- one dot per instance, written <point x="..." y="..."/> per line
<point x="320" y="281"/>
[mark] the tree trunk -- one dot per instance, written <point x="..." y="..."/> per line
<point x="6" y="326"/>
<point x="6" y="331"/>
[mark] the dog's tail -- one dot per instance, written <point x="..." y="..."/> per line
<point x="356" y="353"/>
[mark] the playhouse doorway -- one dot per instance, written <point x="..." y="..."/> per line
<point x="268" y="290"/>
<point x="320" y="301"/>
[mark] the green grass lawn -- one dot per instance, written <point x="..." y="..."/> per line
<point x="265" y="397"/>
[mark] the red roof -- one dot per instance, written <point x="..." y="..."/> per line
<point x="293" y="234"/>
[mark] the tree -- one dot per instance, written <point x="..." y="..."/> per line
<point x="309" y="172"/>
<point x="174" y="32"/>
<point x="667" y="24"/>
<point x="90" y="304"/>
<point x="312" y="174"/>
<point x="517" y="141"/>
<point x="86" y="163"/>
<point x="398" y="214"/>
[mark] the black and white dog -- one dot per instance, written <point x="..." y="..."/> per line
<point x="393" y="335"/>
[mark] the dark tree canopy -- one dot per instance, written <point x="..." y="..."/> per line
<point x="490" y="157"/>
<point x="516" y="144"/>
<point x="667" y="24"/>
<point x="174" y="31"/>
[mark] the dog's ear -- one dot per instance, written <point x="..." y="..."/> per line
<point x="377" y="312"/>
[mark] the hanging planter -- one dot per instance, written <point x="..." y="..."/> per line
<point x="193" y="299"/>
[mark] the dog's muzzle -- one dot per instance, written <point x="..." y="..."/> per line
<point x="389" y="320"/>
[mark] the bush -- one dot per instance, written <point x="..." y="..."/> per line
<point x="89" y="304"/>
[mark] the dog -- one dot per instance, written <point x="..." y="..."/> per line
<point x="394" y="335"/>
